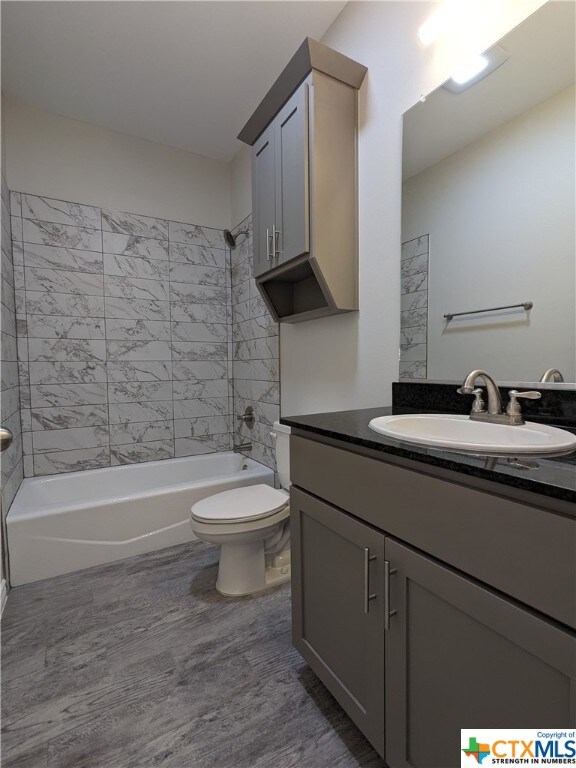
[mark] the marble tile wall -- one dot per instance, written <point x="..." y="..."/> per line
<point x="124" y="336"/>
<point x="11" y="461"/>
<point x="256" y="379"/>
<point x="414" y="308"/>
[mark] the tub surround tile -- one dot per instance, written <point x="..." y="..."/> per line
<point x="197" y="274"/>
<point x="38" y="303"/>
<point x="132" y="224"/>
<point x="70" y="439"/>
<point x="197" y="350"/>
<point x="15" y="199"/>
<point x="198" y="254"/>
<point x="60" y="212"/>
<point x="191" y="234"/>
<point x="67" y="417"/>
<point x="202" y="426"/>
<point x="411" y="301"/>
<point x="206" y="406"/>
<point x="120" y="413"/>
<point x="199" y="294"/>
<point x="46" y="395"/>
<point x="48" y="233"/>
<point x="415" y="247"/>
<point x="412" y="283"/>
<point x="49" y="350"/>
<point x="191" y="446"/>
<point x="156" y="370"/>
<point x="183" y="331"/>
<point x="138" y="452"/>
<point x="141" y="432"/>
<point x="417" y="265"/>
<point x="414" y="317"/>
<point x="413" y="370"/>
<point x="188" y="311"/>
<point x="188" y="390"/>
<point x="414" y="308"/>
<point x="67" y="372"/>
<point x="134" y="246"/>
<point x="136" y="288"/>
<point x="138" y="350"/>
<point x="62" y="327"/>
<point x="120" y="308"/>
<point x="71" y="461"/>
<point x="139" y="391"/>
<point x="147" y="330"/>
<point x="199" y="370"/>
<point x="127" y="266"/>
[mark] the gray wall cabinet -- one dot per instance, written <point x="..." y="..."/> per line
<point x="448" y="650"/>
<point x="304" y="186"/>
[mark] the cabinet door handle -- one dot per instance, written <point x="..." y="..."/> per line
<point x="275" y="241"/>
<point x="387" y="612"/>
<point x="368" y="558"/>
<point x="269" y="238"/>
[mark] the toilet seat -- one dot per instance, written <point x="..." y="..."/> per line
<point x="254" y="502"/>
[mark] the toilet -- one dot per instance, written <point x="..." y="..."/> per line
<point x="252" y="526"/>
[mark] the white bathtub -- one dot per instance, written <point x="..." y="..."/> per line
<point x="63" y="523"/>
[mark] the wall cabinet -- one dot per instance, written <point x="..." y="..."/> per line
<point x="413" y="648"/>
<point x="304" y="186"/>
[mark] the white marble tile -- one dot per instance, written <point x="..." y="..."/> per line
<point x="411" y="301"/>
<point x="257" y="307"/>
<point x="52" y="350"/>
<point x="413" y="353"/>
<point x="9" y="347"/>
<point x="242" y="369"/>
<point x="127" y="266"/>
<point x="68" y="259"/>
<point x="266" y="391"/>
<point x="414" y="317"/>
<point x="138" y="350"/>
<point x="76" y="438"/>
<point x="199" y="331"/>
<point x="188" y="390"/>
<point x="141" y="432"/>
<point x="16" y="230"/>
<point x="192" y="446"/>
<point x="60" y="212"/>
<point x="58" y="281"/>
<point x="139" y="391"/>
<point x="198" y="350"/>
<point x="136" y="453"/>
<point x="265" y="370"/>
<point x="266" y="413"/>
<point x="150" y="330"/>
<point x="47" y="233"/>
<point x="154" y="370"/>
<point x="240" y="292"/>
<point x="412" y="283"/>
<point x="187" y="311"/>
<point x="414" y="247"/>
<point x="60" y="395"/>
<point x="197" y="294"/>
<point x="413" y="370"/>
<point x="67" y="372"/>
<point x="264" y="325"/>
<point x="199" y="370"/>
<point x="132" y="224"/>
<point x="59" y="327"/>
<point x="136" y="288"/>
<point x="412" y="335"/>
<point x="71" y="461"/>
<point x="66" y="417"/>
<point x="197" y="275"/>
<point x="73" y="305"/>
<point x="120" y="413"/>
<point x="415" y="265"/>
<point x="196" y="235"/>
<point x="207" y="406"/>
<point x="202" y="426"/>
<point x="241" y="272"/>
<point x="134" y="309"/>
<point x="15" y="203"/>
<point x="138" y="247"/>
<point x="198" y="254"/>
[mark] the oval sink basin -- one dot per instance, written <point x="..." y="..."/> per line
<point x="462" y="433"/>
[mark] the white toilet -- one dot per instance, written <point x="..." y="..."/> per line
<point x="252" y="525"/>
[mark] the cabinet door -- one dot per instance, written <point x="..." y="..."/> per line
<point x="263" y="204"/>
<point x="460" y="656"/>
<point x="292" y="233"/>
<point x="338" y="617"/>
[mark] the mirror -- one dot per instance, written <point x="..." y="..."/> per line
<point x="488" y="208"/>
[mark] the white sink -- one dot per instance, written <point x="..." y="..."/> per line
<point x="461" y="433"/>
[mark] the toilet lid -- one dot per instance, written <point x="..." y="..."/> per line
<point x="249" y="503"/>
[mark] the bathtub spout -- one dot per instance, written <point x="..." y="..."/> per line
<point x="242" y="447"/>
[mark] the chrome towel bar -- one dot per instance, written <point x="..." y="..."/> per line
<point x="526" y="304"/>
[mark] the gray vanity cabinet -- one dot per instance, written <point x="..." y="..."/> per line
<point x="280" y="186"/>
<point x="338" y="612"/>
<point x="460" y="656"/>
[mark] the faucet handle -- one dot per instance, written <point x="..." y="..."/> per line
<point x="513" y="407"/>
<point x="478" y="406"/>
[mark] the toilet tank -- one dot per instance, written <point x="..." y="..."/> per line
<point x="282" y="439"/>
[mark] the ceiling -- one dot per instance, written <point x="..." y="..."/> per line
<point x="542" y="63"/>
<point x="185" y="74"/>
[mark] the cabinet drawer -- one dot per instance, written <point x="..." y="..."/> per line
<point x="525" y="552"/>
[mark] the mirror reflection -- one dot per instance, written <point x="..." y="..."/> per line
<point x="488" y="208"/>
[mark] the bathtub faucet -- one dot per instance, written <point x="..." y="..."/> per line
<point x="242" y="447"/>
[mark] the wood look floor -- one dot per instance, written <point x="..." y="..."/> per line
<point x="142" y="663"/>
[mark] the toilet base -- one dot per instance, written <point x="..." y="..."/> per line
<point x="245" y="569"/>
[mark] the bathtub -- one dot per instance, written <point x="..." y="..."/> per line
<point x="63" y="523"/>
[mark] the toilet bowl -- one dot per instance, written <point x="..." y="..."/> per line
<point x="252" y="527"/>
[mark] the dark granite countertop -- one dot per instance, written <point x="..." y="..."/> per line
<point x="552" y="476"/>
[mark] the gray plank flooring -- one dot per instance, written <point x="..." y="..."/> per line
<point x="141" y="663"/>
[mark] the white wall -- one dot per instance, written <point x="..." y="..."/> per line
<point x="500" y="215"/>
<point x="240" y="185"/>
<point x="350" y="361"/>
<point x="54" y="156"/>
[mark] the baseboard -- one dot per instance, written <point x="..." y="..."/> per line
<point x="3" y="595"/>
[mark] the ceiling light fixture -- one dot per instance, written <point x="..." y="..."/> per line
<point x="476" y="68"/>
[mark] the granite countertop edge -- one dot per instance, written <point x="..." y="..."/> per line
<point x="451" y="460"/>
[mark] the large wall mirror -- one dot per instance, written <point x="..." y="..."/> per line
<point x="488" y="214"/>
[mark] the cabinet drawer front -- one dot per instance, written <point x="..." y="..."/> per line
<point x="523" y="551"/>
<point x="337" y="566"/>
<point x="460" y="656"/>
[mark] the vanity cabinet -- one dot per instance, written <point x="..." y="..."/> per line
<point x="304" y="186"/>
<point x="338" y="611"/>
<point x="460" y="631"/>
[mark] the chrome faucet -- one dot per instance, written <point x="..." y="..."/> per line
<point x="552" y="374"/>
<point x="494" y="414"/>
